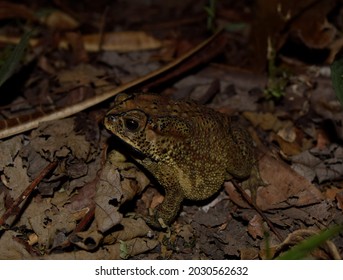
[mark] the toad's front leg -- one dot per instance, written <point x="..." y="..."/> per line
<point x="165" y="213"/>
<point x="166" y="175"/>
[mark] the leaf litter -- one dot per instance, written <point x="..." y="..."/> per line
<point x="89" y="207"/>
<point x="84" y="181"/>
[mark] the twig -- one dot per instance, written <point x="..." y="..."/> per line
<point x="102" y="28"/>
<point x="27" y="192"/>
<point x="258" y="210"/>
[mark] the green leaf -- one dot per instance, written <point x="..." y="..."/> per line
<point x="11" y="63"/>
<point x="337" y="76"/>
<point x="234" y="27"/>
<point x="124" y="251"/>
<point x="303" y="249"/>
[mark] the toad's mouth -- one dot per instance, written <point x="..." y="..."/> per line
<point x="129" y="149"/>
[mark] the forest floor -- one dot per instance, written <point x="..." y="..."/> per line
<point x="68" y="190"/>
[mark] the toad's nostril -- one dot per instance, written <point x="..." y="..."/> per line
<point x="111" y="118"/>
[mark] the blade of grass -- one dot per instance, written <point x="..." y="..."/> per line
<point x="304" y="248"/>
<point x="12" y="62"/>
<point x="337" y="76"/>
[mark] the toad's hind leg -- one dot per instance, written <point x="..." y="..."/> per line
<point x="241" y="153"/>
<point x="246" y="167"/>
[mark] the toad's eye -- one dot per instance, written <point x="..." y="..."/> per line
<point x="131" y="124"/>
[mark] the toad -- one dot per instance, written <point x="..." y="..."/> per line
<point x="189" y="148"/>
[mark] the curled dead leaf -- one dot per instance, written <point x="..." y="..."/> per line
<point x="326" y="251"/>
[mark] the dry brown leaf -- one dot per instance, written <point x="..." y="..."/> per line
<point x="339" y="197"/>
<point x="59" y="20"/>
<point x="48" y="222"/>
<point x="125" y="41"/>
<point x="236" y="239"/>
<point x="12" y="249"/>
<point x="9" y="150"/>
<point x="325" y="103"/>
<point x="285" y="187"/>
<point x="14" y="172"/>
<point x="320" y="211"/>
<point x="131" y="229"/>
<point x="213" y="217"/>
<point x="331" y="192"/>
<point x="113" y="190"/>
<point x="108" y="199"/>
<point x="249" y="253"/>
<point x="88" y="240"/>
<point x="329" y="171"/>
<point x="137" y="246"/>
<point x="255" y="227"/>
<point x="304" y="171"/>
<point x="58" y="139"/>
<point x="287" y="148"/>
<point x="186" y="232"/>
<point x="130" y="66"/>
<point x="17" y="179"/>
<point x="85" y="195"/>
<point x="266" y="121"/>
<point x="306" y="158"/>
<point x="324" y="164"/>
<point x="310" y="214"/>
<point x="82" y="74"/>
<point x="101" y="254"/>
<point x="194" y="87"/>
<point x="288" y="133"/>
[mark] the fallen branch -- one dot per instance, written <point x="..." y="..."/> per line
<point x="27" y="192"/>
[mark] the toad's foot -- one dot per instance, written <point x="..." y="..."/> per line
<point x="253" y="182"/>
<point x="165" y="213"/>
